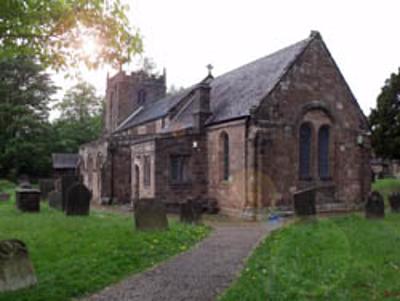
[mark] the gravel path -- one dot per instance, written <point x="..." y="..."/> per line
<point x="201" y="274"/>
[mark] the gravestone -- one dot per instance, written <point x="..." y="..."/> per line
<point x="27" y="200"/>
<point x="375" y="207"/>
<point x="25" y="185"/>
<point x="24" y="182"/>
<point x="66" y="182"/>
<point x="46" y="186"/>
<point x="394" y="201"/>
<point x="150" y="214"/>
<point x="55" y="200"/>
<point x="78" y="200"/>
<point x="16" y="270"/>
<point x="304" y="202"/>
<point x="190" y="211"/>
<point x="4" y="197"/>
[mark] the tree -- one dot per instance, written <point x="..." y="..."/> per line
<point x="81" y="118"/>
<point x="385" y="120"/>
<point x="25" y="94"/>
<point x="80" y="102"/>
<point x="56" y="32"/>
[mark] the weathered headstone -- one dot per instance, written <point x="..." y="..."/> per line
<point x="78" y="200"/>
<point x="304" y="202"/>
<point x="190" y="211"/>
<point x="150" y="214"/>
<point x="27" y="200"/>
<point x="23" y="180"/>
<point x="4" y="197"/>
<point x="55" y="200"/>
<point x="46" y="186"/>
<point x="394" y="201"/>
<point x="66" y="182"/>
<point x="375" y="207"/>
<point x="16" y="270"/>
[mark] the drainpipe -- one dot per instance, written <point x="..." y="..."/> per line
<point x="112" y="151"/>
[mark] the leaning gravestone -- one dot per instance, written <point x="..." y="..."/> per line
<point x="66" y="182"/>
<point x="375" y="207"/>
<point x="394" y="201"/>
<point x="190" y="211"/>
<point x="27" y="200"/>
<point x="55" y="200"/>
<point x="46" y="186"/>
<point x="150" y="214"/>
<point x="16" y="270"/>
<point x="304" y="202"/>
<point x="78" y="200"/>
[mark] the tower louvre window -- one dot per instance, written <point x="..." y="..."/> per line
<point x="141" y="97"/>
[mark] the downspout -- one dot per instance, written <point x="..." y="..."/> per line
<point x="112" y="151"/>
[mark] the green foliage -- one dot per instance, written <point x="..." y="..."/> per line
<point x="81" y="118"/>
<point x="344" y="258"/>
<point x="385" y="120"/>
<point x="55" y="32"/>
<point x="25" y="94"/>
<point x="386" y="186"/>
<point x="74" y="256"/>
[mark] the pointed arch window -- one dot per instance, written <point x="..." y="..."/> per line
<point x="224" y="144"/>
<point x="323" y="152"/>
<point x="305" y="151"/>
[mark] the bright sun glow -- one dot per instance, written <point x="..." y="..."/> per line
<point x="89" y="47"/>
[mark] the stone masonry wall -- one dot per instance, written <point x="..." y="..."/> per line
<point x="231" y="194"/>
<point x="314" y="91"/>
<point x="194" y="148"/>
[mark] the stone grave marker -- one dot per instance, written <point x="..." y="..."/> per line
<point x="304" y="202"/>
<point x="55" y="200"/>
<point x="394" y="201"/>
<point x="66" y="182"/>
<point x="78" y="200"/>
<point x="150" y="214"/>
<point x="190" y="211"/>
<point x="4" y="197"/>
<point x="27" y="200"/>
<point x="46" y="186"/>
<point x="375" y="207"/>
<point x="16" y="270"/>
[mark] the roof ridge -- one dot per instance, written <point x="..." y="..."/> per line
<point x="308" y="39"/>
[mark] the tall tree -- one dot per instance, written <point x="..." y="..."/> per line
<point x="385" y="119"/>
<point x="25" y="94"/>
<point x="81" y="117"/>
<point x="57" y="32"/>
<point x="80" y="102"/>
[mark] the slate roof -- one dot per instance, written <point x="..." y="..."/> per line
<point x="65" y="161"/>
<point x="232" y="94"/>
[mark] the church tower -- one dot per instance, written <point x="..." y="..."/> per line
<point x="126" y="93"/>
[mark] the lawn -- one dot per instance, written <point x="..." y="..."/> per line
<point x="340" y="258"/>
<point x="74" y="256"/>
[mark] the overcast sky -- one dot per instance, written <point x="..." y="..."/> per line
<point x="185" y="35"/>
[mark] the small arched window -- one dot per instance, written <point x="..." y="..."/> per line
<point x="305" y="151"/>
<point x="323" y="152"/>
<point x="224" y="144"/>
<point x="141" y="97"/>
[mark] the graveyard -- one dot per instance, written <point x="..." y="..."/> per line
<point x="330" y="258"/>
<point x="76" y="255"/>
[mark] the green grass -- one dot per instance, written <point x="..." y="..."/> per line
<point x="386" y="186"/>
<point x="342" y="258"/>
<point x="74" y="256"/>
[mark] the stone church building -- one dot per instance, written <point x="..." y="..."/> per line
<point x="248" y="139"/>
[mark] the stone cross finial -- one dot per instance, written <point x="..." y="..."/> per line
<point x="210" y="68"/>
